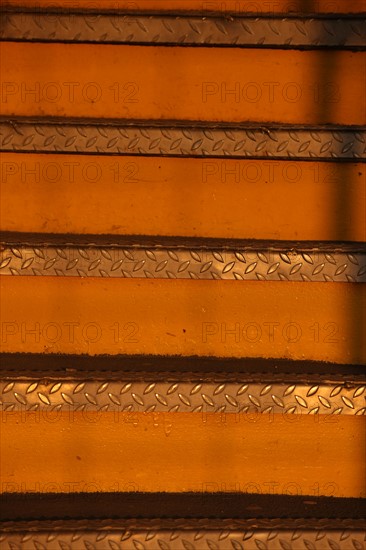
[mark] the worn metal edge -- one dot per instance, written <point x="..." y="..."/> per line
<point x="111" y="241"/>
<point x="212" y="400"/>
<point x="183" y="139"/>
<point x="199" y="504"/>
<point x="175" y="368"/>
<point x="180" y="525"/>
<point x="348" y="381"/>
<point x="295" y="262"/>
<point x="183" y="29"/>
<point x="226" y="536"/>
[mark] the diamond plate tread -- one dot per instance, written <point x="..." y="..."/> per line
<point x="249" y="264"/>
<point x="132" y="138"/>
<point x="201" y="397"/>
<point x="200" y="30"/>
<point x="256" y="539"/>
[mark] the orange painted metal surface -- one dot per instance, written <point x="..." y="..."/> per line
<point x="183" y="317"/>
<point x="186" y="197"/>
<point x="86" y="451"/>
<point x="91" y="451"/>
<point x="138" y="82"/>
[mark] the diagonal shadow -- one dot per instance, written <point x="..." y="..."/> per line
<point x="344" y="197"/>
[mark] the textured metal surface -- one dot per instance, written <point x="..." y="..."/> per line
<point x="132" y="138"/>
<point x="201" y="397"/>
<point x="289" y="32"/>
<point x="286" y="265"/>
<point x="248" y="264"/>
<point x="222" y="539"/>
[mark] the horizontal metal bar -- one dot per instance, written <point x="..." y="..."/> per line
<point x="129" y="138"/>
<point x="212" y="400"/>
<point x="223" y="538"/>
<point x="110" y="318"/>
<point x="245" y="264"/>
<point x="200" y="30"/>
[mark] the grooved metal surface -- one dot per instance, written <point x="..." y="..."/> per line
<point x="223" y="539"/>
<point x="200" y="30"/>
<point x="249" y="264"/>
<point x="131" y="138"/>
<point x="204" y="397"/>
